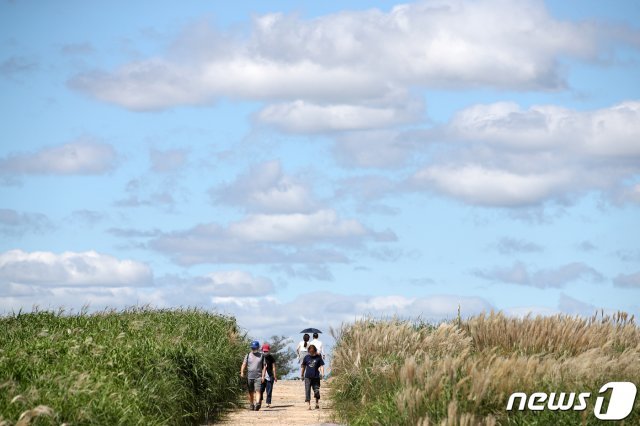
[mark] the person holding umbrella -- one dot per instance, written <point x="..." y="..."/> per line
<point x="315" y="342"/>
<point x="318" y="344"/>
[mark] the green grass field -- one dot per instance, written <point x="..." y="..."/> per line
<point x="395" y="372"/>
<point x="131" y="367"/>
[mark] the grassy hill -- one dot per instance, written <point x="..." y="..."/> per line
<point x="132" y="367"/>
<point x="462" y="372"/>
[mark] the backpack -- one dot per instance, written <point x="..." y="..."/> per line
<point x="261" y="362"/>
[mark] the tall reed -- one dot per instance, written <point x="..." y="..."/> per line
<point x="131" y="367"/>
<point x="394" y="372"/>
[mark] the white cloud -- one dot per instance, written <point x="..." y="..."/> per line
<point x="162" y="83"/>
<point x="234" y="284"/>
<point x="605" y="132"/>
<point x="382" y="148"/>
<point x="523" y="311"/>
<point x="73" y="298"/>
<point x="72" y="269"/>
<point x="324" y="309"/>
<point x="265" y="188"/>
<point x="560" y="276"/>
<point x="305" y="117"/>
<point x="567" y="305"/>
<point x="14" y="223"/>
<point x="352" y="56"/>
<point x="73" y="158"/>
<point x="627" y="280"/>
<point x="279" y="228"/>
<point x="308" y="238"/>
<point x="476" y="184"/>
<point x="571" y="306"/>
<point x="167" y="161"/>
<point x="15" y="66"/>
<point x="507" y="245"/>
<point x="502" y="155"/>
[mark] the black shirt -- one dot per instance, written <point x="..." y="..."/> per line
<point x="313" y="363"/>
<point x="270" y="360"/>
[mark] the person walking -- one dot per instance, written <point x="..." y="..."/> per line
<point x="269" y="377"/>
<point x="318" y="344"/>
<point x="301" y="350"/>
<point x="312" y="370"/>
<point x="254" y="363"/>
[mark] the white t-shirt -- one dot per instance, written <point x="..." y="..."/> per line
<point x="318" y="344"/>
<point x="301" y="350"/>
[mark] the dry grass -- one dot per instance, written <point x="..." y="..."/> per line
<point x="462" y="372"/>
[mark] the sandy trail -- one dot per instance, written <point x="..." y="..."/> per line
<point x="288" y="408"/>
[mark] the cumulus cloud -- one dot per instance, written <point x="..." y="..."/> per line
<point x="382" y="148"/>
<point x="167" y="161"/>
<point x="586" y="246"/>
<point x="507" y="245"/>
<point x="628" y="255"/>
<point x="346" y="57"/>
<point x="263" y="315"/>
<point x="16" y="297"/>
<point x="73" y="158"/>
<point x="572" y="306"/>
<point x="14" y="66"/>
<point x="297" y="227"/>
<point x="505" y="156"/>
<point x="148" y="192"/>
<point x="305" y="117"/>
<point x="523" y="311"/>
<point x="557" y="277"/>
<point x="75" y="280"/>
<point x="566" y="305"/>
<point x="71" y="269"/>
<point x="266" y="188"/>
<point x="627" y="280"/>
<point x="605" y="132"/>
<point x="14" y="223"/>
<point x="85" y="217"/>
<point x="484" y="186"/>
<point x="234" y="284"/>
<point x="333" y="309"/>
<point x="276" y="238"/>
<point x="306" y="272"/>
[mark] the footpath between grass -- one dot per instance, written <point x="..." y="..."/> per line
<point x="132" y="367"/>
<point x="397" y="372"/>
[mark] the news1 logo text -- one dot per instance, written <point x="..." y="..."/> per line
<point x="621" y="400"/>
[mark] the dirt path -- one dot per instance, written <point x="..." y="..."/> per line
<point x="288" y="408"/>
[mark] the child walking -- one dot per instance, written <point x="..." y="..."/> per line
<point x="269" y="377"/>
<point x="312" y="371"/>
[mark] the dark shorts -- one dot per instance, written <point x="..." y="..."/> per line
<point x="254" y="384"/>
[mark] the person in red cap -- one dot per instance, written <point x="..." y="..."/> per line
<point x="269" y="377"/>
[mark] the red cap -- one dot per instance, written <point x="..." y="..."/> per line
<point x="266" y="347"/>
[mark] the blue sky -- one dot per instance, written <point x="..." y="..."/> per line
<point x="303" y="164"/>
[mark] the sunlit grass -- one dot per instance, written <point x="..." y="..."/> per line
<point x="131" y="367"/>
<point x="394" y="372"/>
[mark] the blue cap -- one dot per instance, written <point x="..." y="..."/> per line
<point x="255" y="344"/>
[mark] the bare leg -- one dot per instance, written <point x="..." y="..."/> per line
<point x="257" y="398"/>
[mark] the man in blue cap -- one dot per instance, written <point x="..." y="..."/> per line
<point x="253" y="362"/>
